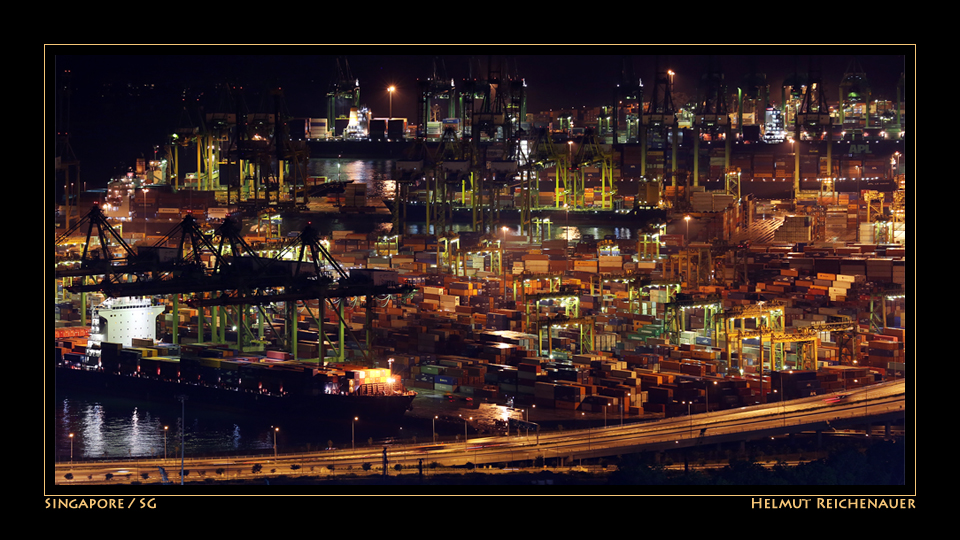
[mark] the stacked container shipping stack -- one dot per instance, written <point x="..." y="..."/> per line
<point x="610" y="264"/>
<point x="794" y="229"/>
<point x="354" y="195"/>
<point x="460" y="334"/>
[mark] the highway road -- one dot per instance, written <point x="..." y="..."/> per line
<point x="878" y="403"/>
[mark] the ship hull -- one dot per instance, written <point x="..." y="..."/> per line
<point x="559" y="217"/>
<point x="320" y="407"/>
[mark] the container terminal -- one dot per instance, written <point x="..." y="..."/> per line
<point x="766" y="260"/>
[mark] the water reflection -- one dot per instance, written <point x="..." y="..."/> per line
<point x="117" y="428"/>
<point x="377" y="174"/>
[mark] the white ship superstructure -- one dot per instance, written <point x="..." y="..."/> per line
<point x="120" y="320"/>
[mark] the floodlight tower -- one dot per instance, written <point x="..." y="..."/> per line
<point x="344" y="94"/>
<point x="434" y="92"/>
<point x="660" y="116"/>
<point x="812" y="121"/>
<point x="711" y="115"/>
<point x="854" y="106"/>
<point x="628" y="102"/>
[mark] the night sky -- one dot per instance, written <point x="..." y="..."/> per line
<point x="114" y="118"/>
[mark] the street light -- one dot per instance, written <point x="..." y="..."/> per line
<point x="352" y="432"/>
<point x="584" y="415"/>
<point x="165" y="428"/>
<point x="465" y="431"/>
<point x="145" y="212"/>
<point x="71" y="448"/>
<point x="434" y="430"/>
<point x="706" y="394"/>
<point x="622" y="404"/>
<point x="390" y="91"/>
<point x="183" y="428"/>
<point x="275" y="430"/>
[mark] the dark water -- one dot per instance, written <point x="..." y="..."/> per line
<point x="109" y="427"/>
<point x="379" y="176"/>
<point x="117" y="428"/>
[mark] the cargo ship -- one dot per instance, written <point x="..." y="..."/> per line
<point x="631" y="217"/>
<point x="218" y="377"/>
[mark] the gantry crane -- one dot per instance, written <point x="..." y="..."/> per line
<point x="554" y="283"/>
<point x="855" y="97"/>
<point x="753" y="95"/>
<point x="455" y="168"/>
<point x="879" y="294"/>
<point x="415" y="166"/>
<point x="570" y="301"/>
<point x="769" y="319"/>
<point x="629" y="101"/>
<point x="292" y="156"/>
<point x="674" y="320"/>
<point x="104" y="254"/>
<point x="807" y="339"/>
<point x="237" y="277"/>
<point x="812" y="123"/>
<point x="876" y="217"/>
<point x="344" y="94"/>
<point x="659" y="118"/>
<point x="434" y="92"/>
<point x="711" y="116"/>
<point x="584" y="324"/>
<point x="544" y="155"/>
<point x="898" y="213"/>
<point x="591" y="154"/>
<point x="67" y="163"/>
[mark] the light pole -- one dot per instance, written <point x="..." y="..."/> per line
<point x="706" y="394"/>
<point x="589" y="435"/>
<point x="622" y="404"/>
<point x="353" y="432"/>
<point x="390" y="91"/>
<point x="165" y="428"/>
<point x="391" y="379"/>
<point x="145" y="213"/>
<point x="183" y="427"/>
<point x="859" y="177"/>
<point x="465" y="431"/>
<point x="687" y="249"/>
<point x="434" y="430"/>
<point x="783" y="406"/>
<point x="275" y="430"/>
<point x="71" y="447"/>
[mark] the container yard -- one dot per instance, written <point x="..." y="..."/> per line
<point x="568" y="326"/>
<point x="662" y="265"/>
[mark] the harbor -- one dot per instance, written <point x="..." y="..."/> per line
<point x="500" y="281"/>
